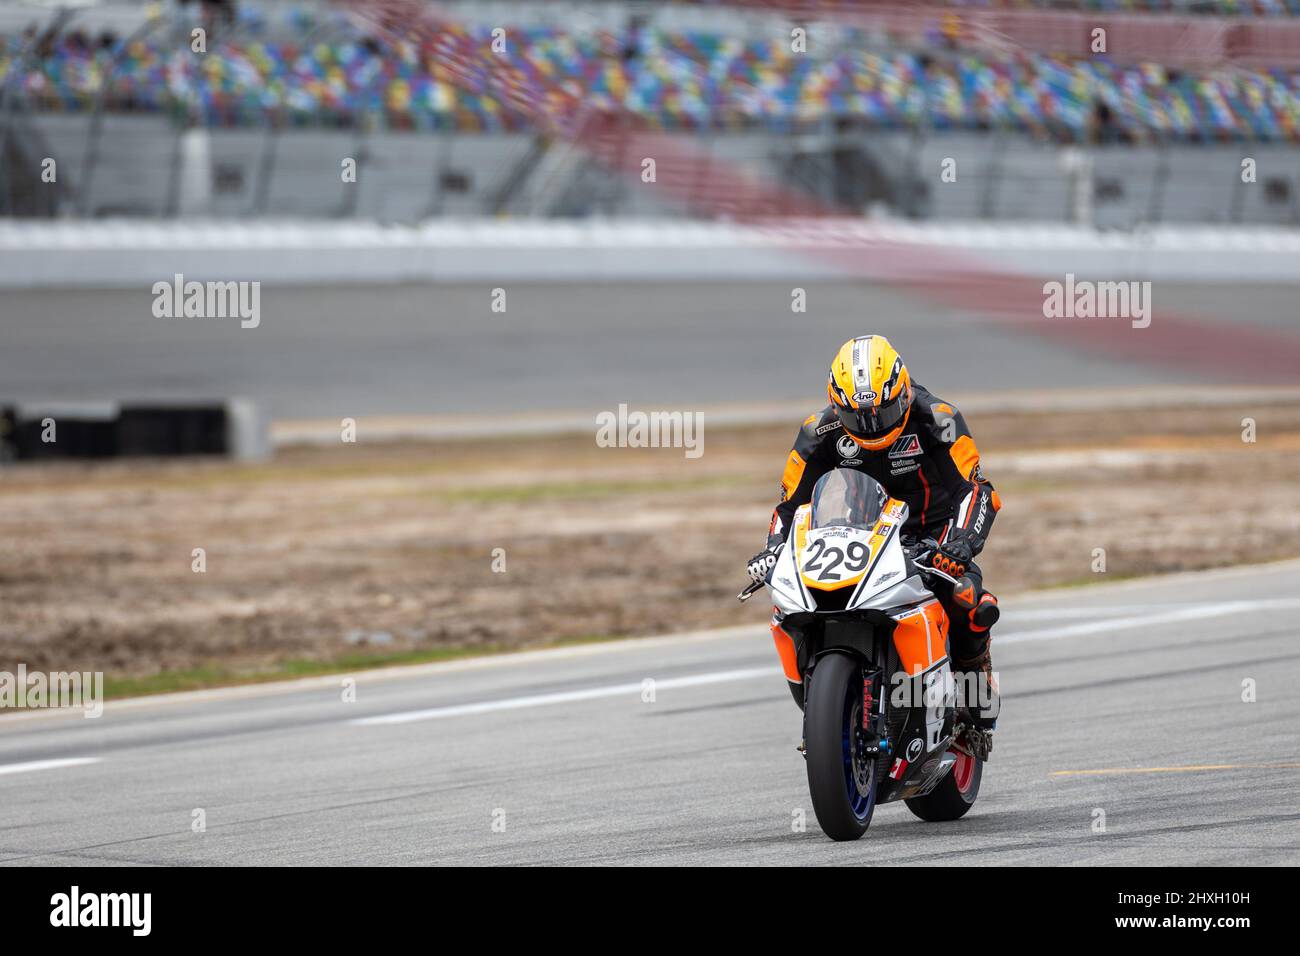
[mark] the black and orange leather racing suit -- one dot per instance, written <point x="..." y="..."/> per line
<point x="933" y="467"/>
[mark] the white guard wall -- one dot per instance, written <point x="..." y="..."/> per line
<point x="133" y="253"/>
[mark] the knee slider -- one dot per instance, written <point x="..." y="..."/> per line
<point x="985" y="613"/>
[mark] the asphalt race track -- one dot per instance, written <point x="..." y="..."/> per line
<point x="349" y="351"/>
<point x="1122" y="699"/>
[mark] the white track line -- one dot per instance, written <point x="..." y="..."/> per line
<point x="1013" y="613"/>
<point x="1187" y="613"/>
<point x="46" y="764"/>
<point x="564" y="697"/>
<point x="1027" y="606"/>
<point x="1193" y="613"/>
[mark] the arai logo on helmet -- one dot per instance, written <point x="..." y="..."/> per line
<point x="867" y="396"/>
<point x="848" y="448"/>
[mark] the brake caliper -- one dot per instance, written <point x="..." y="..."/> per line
<point x="869" y="740"/>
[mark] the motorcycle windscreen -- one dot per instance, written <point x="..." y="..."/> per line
<point x="844" y="497"/>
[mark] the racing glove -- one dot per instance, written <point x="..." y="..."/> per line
<point x="954" y="555"/>
<point x="763" y="562"/>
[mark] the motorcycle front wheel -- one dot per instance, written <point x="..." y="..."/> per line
<point x="841" y="779"/>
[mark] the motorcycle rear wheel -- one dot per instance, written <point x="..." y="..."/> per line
<point x="841" y="780"/>
<point x="954" y="795"/>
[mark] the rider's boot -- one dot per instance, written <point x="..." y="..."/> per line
<point x="983" y="697"/>
<point x="976" y="674"/>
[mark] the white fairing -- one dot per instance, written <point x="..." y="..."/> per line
<point x="788" y="592"/>
<point x="885" y="585"/>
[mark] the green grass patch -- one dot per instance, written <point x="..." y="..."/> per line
<point x="202" y="678"/>
<point x="583" y="489"/>
<point x="1088" y="580"/>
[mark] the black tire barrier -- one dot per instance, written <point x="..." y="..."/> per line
<point x="232" y="428"/>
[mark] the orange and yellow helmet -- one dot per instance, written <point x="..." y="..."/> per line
<point x="871" y="391"/>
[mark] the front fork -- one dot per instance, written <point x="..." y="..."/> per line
<point x="873" y="713"/>
<point x="870" y="742"/>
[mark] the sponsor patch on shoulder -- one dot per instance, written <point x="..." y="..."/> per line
<point x="907" y="445"/>
<point x="828" y="428"/>
<point x="942" y="408"/>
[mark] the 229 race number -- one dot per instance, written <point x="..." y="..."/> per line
<point x="824" y="562"/>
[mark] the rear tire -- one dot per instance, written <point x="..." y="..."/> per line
<point x="954" y="795"/>
<point x="843" y="787"/>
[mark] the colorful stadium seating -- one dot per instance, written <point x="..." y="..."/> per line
<point x="669" y="80"/>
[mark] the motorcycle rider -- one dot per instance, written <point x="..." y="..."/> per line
<point x="918" y="447"/>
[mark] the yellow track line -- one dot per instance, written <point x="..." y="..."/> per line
<point x="1211" y="766"/>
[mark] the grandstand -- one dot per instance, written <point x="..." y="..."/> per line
<point x="444" y="123"/>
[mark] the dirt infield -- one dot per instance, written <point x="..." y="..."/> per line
<point x="362" y="553"/>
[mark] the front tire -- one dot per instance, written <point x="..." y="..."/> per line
<point x="842" y="782"/>
<point x="954" y="795"/>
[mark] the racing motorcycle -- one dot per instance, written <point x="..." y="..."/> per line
<point x="863" y="644"/>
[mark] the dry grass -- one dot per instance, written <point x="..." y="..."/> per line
<point x="330" y="555"/>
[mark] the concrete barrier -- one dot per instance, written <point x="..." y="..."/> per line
<point x="124" y="254"/>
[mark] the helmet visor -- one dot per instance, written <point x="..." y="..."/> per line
<point x="872" y="421"/>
